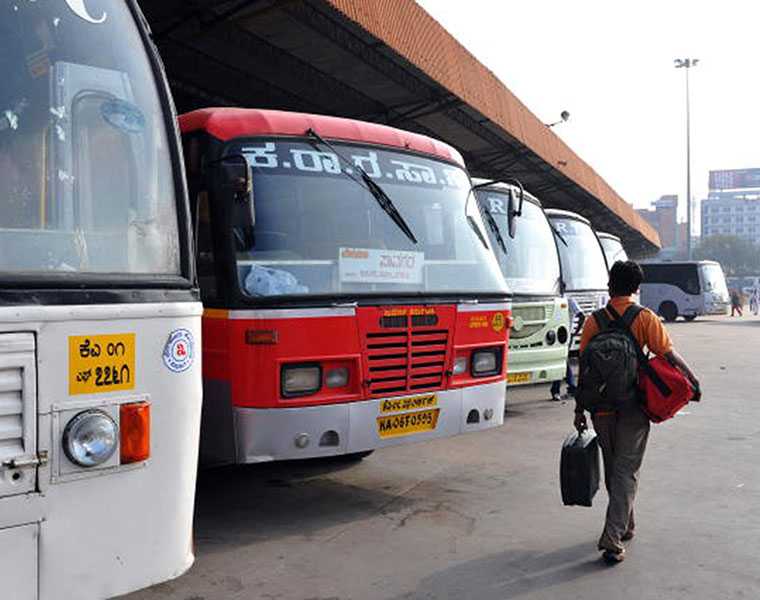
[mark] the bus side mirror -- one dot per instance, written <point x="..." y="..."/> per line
<point x="513" y="211"/>
<point x="236" y="185"/>
<point x="236" y="180"/>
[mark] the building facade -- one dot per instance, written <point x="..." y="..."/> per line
<point x="733" y="205"/>
<point x="663" y="217"/>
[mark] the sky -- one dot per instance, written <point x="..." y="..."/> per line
<point x="611" y="66"/>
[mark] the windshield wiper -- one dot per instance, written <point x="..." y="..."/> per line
<point x="472" y="223"/>
<point x="377" y="192"/>
<point x="558" y="234"/>
<point x="494" y="227"/>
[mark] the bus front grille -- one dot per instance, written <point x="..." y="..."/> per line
<point x="407" y="360"/>
<point x="532" y="319"/>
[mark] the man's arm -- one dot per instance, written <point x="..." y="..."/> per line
<point x="679" y="362"/>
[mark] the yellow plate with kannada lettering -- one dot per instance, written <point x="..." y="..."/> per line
<point x="408" y="403"/>
<point x="518" y="377"/>
<point x="406" y="423"/>
<point x="101" y="363"/>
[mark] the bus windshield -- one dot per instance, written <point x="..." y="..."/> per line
<point x="319" y="231"/>
<point x="86" y="180"/>
<point x="583" y="265"/>
<point x="713" y="279"/>
<point x="532" y="245"/>
<point x="613" y="250"/>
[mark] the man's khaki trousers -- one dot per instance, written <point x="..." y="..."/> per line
<point x="623" y="439"/>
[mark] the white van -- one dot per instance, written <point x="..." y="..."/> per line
<point x="686" y="289"/>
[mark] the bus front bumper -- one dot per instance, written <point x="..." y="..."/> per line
<point x="269" y="434"/>
<point x="536" y="365"/>
<point x="716" y="308"/>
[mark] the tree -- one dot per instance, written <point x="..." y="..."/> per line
<point x="735" y="254"/>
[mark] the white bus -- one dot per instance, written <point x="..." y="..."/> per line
<point x="584" y="268"/>
<point x="613" y="248"/>
<point x="100" y="380"/>
<point x="538" y="340"/>
<point x="686" y="289"/>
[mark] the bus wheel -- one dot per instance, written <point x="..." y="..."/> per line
<point x="690" y="317"/>
<point x="669" y="311"/>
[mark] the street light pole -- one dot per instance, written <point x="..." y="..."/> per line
<point x="687" y="63"/>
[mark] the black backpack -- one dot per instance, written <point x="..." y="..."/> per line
<point x="609" y="364"/>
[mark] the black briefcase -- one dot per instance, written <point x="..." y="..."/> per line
<point x="579" y="468"/>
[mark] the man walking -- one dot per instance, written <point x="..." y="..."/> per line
<point x="736" y="303"/>
<point x="623" y="432"/>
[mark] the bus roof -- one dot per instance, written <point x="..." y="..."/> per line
<point x="228" y="123"/>
<point x="500" y="186"/>
<point x="556" y="213"/>
<point x="609" y="236"/>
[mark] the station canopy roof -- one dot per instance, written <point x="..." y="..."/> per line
<point x="386" y="61"/>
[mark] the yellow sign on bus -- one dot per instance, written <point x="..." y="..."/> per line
<point x="101" y="363"/>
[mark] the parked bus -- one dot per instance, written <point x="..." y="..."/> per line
<point x="612" y="247"/>
<point x="584" y="268"/>
<point x="687" y="289"/>
<point x="538" y="340"/>
<point x="100" y="385"/>
<point x="352" y="300"/>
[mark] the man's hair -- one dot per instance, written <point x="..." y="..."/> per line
<point x="625" y="278"/>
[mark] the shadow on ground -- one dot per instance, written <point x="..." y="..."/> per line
<point x="298" y="498"/>
<point x="509" y="575"/>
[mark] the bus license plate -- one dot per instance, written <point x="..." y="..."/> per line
<point x="518" y="377"/>
<point x="406" y="423"/>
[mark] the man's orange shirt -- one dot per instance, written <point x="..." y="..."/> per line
<point x="646" y="328"/>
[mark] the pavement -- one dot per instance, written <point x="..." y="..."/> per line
<point x="480" y="516"/>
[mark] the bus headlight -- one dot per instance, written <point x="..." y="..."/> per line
<point x="90" y="438"/>
<point x="551" y="337"/>
<point x="562" y="334"/>
<point x="460" y="366"/>
<point x="300" y="379"/>
<point x="336" y="378"/>
<point x="485" y="362"/>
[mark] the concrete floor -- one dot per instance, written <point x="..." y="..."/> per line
<point x="480" y="517"/>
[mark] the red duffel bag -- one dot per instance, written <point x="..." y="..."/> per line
<point x="665" y="388"/>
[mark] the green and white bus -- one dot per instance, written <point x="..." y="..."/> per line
<point x="584" y="267"/>
<point x="613" y="248"/>
<point x="538" y="340"/>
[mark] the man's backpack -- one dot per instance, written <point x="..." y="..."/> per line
<point x="609" y="364"/>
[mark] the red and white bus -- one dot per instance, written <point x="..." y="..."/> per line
<point x="351" y="300"/>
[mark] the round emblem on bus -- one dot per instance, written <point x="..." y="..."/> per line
<point x="498" y="322"/>
<point x="179" y="350"/>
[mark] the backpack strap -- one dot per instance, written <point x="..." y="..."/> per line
<point x="625" y="322"/>
<point x="602" y="319"/>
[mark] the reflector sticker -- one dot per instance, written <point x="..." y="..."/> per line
<point x="101" y="363"/>
<point x="179" y="351"/>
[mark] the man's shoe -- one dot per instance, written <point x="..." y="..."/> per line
<point x="613" y="558"/>
<point x="556" y="397"/>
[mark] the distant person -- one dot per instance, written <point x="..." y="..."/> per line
<point x="736" y="303"/>
<point x="573" y="310"/>
<point x="754" y="301"/>
<point x="623" y="433"/>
